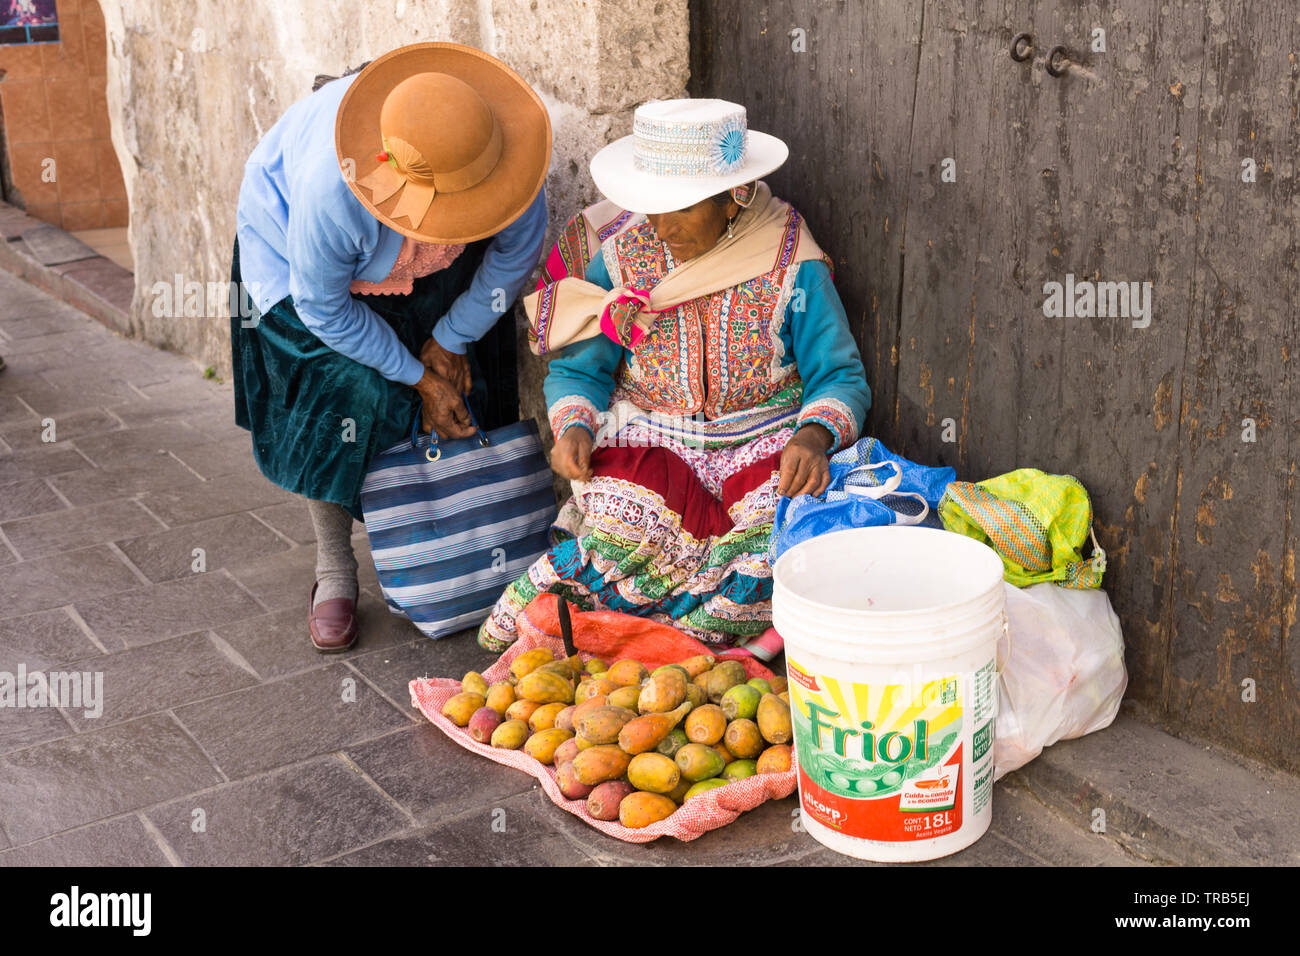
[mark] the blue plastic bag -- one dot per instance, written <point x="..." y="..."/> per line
<point x="870" y="486"/>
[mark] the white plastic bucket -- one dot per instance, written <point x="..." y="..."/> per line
<point x="890" y="638"/>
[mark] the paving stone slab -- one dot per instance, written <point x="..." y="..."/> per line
<point x="79" y="342"/>
<point x="50" y="582"/>
<point x="761" y="837"/>
<point x="40" y="463"/>
<point x="291" y="519"/>
<point x="120" y="842"/>
<point x="432" y="777"/>
<point x="46" y="640"/>
<point x="13" y="413"/>
<point x="69" y="529"/>
<point x="26" y="727"/>
<point x="21" y="499"/>
<point x="1024" y="821"/>
<point x="102" y="279"/>
<point x="49" y="401"/>
<point x="1171" y="800"/>
<point x="290" y="719"/>
<point x="50" y="245"/>
<point x="511" y="834"/>
<point x="161" y="474"/>
<point x="211" y="499"/>
<point x="280" y="581"/>
<point x="102" y="773"/>
<point x="293" y="816"/>
<point x="13" y="223"/>
<point x="41" y="317"/>
<point x="278" y="644"/>
<point x="28" y="433"/>
<point x="161" y="676"/>
<point x="142" y="441"/>
<point x="393" y="669"/>
<point x="228" y="456"/>
<point x="144" y="615"/>
<point x="227" y="541"/>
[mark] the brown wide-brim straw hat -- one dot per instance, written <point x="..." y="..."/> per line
<point x="442" y="142"/>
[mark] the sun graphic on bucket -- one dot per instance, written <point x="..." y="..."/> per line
<point x="879" y="762"/>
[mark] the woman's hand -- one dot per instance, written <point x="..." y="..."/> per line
<point x="571" y="456"/>
<point x="454" y="368"/>
<point x="804" y="467"/>
<point x="444" y="408"/>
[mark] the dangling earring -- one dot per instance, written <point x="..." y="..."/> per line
<point x="731" y="228"/>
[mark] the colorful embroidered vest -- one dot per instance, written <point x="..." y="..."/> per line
<point x="718" y="354"/>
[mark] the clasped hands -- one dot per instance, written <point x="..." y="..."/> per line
<point x="804" y="467"/>
<point x="442" y="390"/>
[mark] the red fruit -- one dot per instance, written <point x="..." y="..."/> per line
<point x="481" y="724"/>
<point x="605" y="798"/>
<point x="569" y="785"/>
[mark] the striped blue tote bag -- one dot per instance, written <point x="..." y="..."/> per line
<point x="452" y="523"/>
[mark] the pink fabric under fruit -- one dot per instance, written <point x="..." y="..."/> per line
<point x="597" y="634"/>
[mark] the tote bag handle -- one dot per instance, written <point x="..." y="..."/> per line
<point x="888" y="489"/>
<point x="434" y="451"/>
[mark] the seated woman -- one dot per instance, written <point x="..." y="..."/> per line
<point x="705" y="367"/>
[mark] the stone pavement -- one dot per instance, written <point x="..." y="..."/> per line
<point x="224" y="738"/>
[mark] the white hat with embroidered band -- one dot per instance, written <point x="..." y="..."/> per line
<point x="681" y="152"/>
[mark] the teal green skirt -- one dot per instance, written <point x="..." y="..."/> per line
<point x="318" y="417"/>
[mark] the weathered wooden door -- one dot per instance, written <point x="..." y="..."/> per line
<point x="952" y="182"/>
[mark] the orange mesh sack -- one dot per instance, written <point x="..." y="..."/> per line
<point x="610" y="635"/>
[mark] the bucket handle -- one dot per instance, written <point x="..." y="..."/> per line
<point x="1006" y="631"/>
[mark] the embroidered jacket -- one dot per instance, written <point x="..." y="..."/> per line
<point x="720" y="354"/>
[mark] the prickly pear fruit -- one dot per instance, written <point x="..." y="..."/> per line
<point x="664" y="690"/>
<point x="569" y="785"/>
<point x="743" y="739"/>
<point x="706" y="724"/>
<point x="542" y="746"/>
<point x="529" y="661"/>
<point x="605" y="798"/>
<point x="545" y="688"/>
<point x="597" y="764"/>
<point x="601" y="725"/>
<point x="510" y="735"/>
<point x="639" y="810"/>
<point x="775" y="759"/>
<point x="773" y="717"/>
<point x="724" y="676"/>
<point x="645" y="732"/>
<point x="741" y="701"/>
<point x="627" y="672"/>
<point x="699" y="762"/>
<point x="460" y="709"/>
<point x="653" y="772"/>
<point x="482" y="723"/>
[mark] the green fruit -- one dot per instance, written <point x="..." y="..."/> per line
<point x="739" y="769"/>
<point x="741" y="701"/>
<point x="762" y="686"/>
<point x="704" y="786"/>
<point x="674" y="742"/>
<point x="699" y="762"/>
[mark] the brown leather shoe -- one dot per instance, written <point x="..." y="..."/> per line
<point x="333" y="624"/>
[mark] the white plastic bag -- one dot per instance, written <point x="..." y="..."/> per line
<point x="1065" y="676"/>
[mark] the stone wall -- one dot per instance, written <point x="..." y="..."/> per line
<point x="193" y="85"/>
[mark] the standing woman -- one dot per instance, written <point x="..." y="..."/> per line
<point x="392" y="214"/>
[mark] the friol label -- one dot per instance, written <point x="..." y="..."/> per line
<point x="885" y="761"/>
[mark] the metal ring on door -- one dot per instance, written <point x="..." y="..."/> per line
<point x="1022" y="47"/>
<point x="1058" y="61"/>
